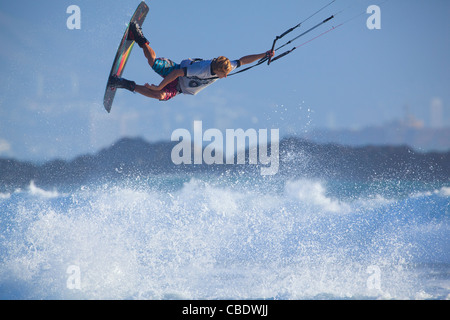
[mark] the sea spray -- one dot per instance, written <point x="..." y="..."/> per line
<point x="214" y="238"/>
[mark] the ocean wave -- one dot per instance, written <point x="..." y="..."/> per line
<point x="219" y="238"/>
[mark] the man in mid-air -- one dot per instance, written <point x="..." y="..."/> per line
<point x="188" y="77"/>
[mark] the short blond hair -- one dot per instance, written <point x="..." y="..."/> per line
<point x="222" y="64"/>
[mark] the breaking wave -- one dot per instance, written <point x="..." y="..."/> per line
<point x="183" y="238"/>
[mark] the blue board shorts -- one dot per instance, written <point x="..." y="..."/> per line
<point x="163" y="67"/>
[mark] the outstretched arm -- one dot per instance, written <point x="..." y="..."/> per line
<point x="253" y="57"/>
<point x="168" y="79"/>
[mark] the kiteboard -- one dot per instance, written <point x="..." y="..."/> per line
<point x="123" y="52"/>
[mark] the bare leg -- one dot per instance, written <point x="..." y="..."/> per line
<point x="149" y="54"/>
<point x="160" y="95"/>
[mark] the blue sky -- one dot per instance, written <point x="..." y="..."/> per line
<point x="53" y="79"/>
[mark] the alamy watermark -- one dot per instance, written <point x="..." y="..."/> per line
<point x="74" y="20"/>
<point x="235" y="140"/>
<point x="374" y="21"/>
<point x="374" y="279"/>
<point x="73" y="281"/>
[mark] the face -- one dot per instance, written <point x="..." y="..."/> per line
<point x="221" y="74"/>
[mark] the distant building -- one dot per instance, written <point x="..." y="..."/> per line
<point x="436" y="113"/>
<point x="410" y="121"/>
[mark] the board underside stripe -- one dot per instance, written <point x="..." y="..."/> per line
<point x="123" y="60"/>
<point x="122" y="54"/>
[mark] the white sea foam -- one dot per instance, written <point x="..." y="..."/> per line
<point x="5" y="195"/>
<point x="208" y="240"/>
<point x="314" y="193"/>
<point x="444" y="191"/>
<point x="36" y="191"/>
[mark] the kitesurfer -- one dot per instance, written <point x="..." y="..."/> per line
<point x="189" y="77"/>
